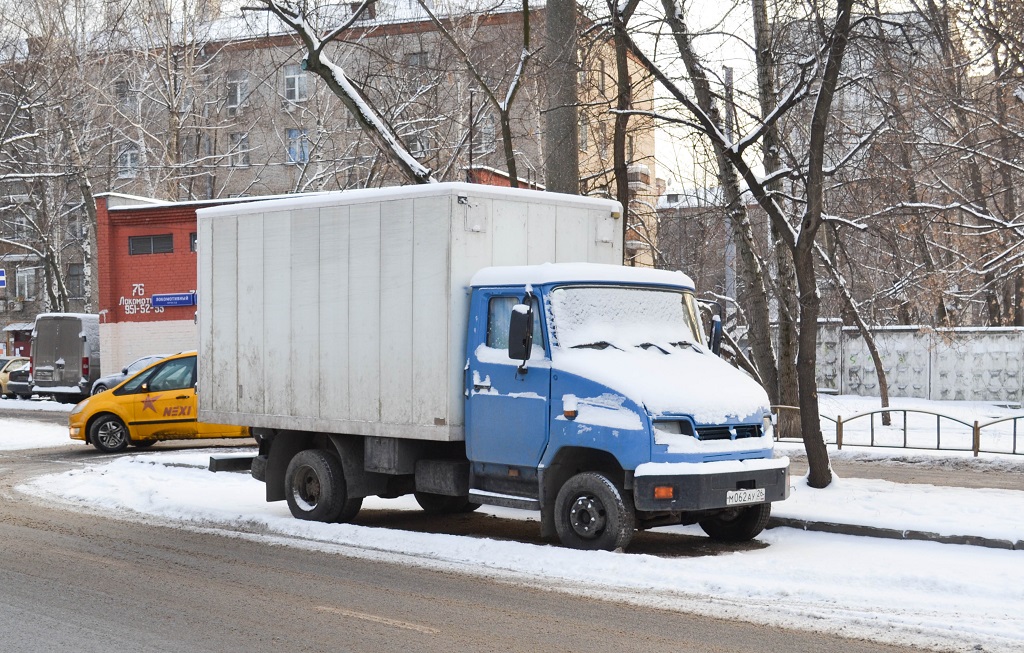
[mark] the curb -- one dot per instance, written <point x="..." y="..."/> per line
<point x="893" y="534"/>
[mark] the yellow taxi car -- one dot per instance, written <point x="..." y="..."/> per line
<point x="158" y="403"/>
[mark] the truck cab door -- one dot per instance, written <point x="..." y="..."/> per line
<point x="506" y="409"/>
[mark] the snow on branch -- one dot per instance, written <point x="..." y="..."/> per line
<point x="860" y="145"/>
<point x="373" y="124"/>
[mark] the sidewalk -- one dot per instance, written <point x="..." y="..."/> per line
<point x="910" y="496"/>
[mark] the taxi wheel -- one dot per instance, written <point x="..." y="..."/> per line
<point x="109" y="434"/>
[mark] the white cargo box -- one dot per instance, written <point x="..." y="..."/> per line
<point x="346" y="312"/>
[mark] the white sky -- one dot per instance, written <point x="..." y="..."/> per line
<point x="937" y="596"/>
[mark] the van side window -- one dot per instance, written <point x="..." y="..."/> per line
<point x="499" y="315"/>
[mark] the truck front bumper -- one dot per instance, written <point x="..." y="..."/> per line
<point x="678" y="487"/>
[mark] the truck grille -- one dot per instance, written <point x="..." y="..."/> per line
<point x="726" y="432"/>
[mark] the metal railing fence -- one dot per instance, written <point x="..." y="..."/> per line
<point x="978" y="443"/>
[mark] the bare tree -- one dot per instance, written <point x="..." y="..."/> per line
<point x="318" y="62"/>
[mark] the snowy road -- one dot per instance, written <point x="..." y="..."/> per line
<point x="944" y="597"/>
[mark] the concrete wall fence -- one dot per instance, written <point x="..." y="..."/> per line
<point x="962" y="364"/>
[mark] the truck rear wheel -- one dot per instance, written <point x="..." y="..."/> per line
<point x="737" y="524"/>
<point x="592" y="513"/>
<point x="314" y="486"/>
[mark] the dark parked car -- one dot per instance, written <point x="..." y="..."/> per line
<point x="18" y="383"/>
<point x="109" y="381"/>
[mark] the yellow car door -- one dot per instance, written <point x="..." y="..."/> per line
<point x="164" y="405"/>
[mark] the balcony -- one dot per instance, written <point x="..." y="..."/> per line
<point x="639" y="177"/>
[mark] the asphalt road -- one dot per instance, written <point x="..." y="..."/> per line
<point x="83" y="583"/>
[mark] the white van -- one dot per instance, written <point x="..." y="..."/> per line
<point x="65" y="355"/>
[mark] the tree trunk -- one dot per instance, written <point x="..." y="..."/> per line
<point x="820" y="472"/>
<point x="785" y="283"/>
<point x="561" y="131"/>
<point x="623" y="102"/>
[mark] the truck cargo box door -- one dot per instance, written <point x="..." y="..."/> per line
<point x="506" y="410"/>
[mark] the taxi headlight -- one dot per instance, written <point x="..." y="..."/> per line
<point x="79" y="407"/>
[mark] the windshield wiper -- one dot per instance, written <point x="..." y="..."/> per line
<point x="649" y="345"/>
<point x="682" y="344"/>
<point x="600" y="344"/>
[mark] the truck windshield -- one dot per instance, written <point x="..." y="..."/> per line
<point x="624" y="317"/>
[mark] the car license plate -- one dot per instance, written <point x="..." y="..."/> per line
<point x="740" y="497"/>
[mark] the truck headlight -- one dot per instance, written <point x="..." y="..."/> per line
<point x="767" y="428"/>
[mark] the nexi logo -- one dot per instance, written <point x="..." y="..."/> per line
<point x="177" y="411"/>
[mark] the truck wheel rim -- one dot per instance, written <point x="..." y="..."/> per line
<point x="587" y="516"/>
<point x="306" y="489"/>
<point x="111" y="434"/>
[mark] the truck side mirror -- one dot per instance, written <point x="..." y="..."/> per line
<point x="520" y="333"/>
<point x="716" y="335"/>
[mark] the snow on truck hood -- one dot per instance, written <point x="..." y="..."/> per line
<point x="690" y="381"/>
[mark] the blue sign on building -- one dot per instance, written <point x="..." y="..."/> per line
<point x="174" y="299"/>
<point x="3" y="278"/>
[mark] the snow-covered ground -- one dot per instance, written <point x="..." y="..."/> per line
<point x="941" y="596"/>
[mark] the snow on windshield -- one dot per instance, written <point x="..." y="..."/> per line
<point x="621" y="317"/>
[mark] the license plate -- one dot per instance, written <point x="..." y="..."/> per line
<point x="740" y="497"/>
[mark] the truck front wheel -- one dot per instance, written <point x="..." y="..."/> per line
<point x="737" y="524"/>
<point x="592" y="513"/>
<point x="315" y="489"/>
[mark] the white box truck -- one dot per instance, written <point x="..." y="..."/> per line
<point x="475" y="345"/>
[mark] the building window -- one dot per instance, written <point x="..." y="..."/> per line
<point x="125" y="95"/>
<point x="417" y="146"/>
<point x="602" y="76"/>
<point x="238" y="154"/>
<point x="416" y="59"/>
<point x="128" y="161"/>
<point x="161" y="244"/>
<point x="294" y="83"/>
<point x="584" y="134"/>
<point x="238" y="90"/>
<point x="193" y="242"/>
<point x="368" y="14"/>
<point x="298" y="146"/>
<point x="19" y="227"/>
<point x="76" y="280"/>
<point x="26" y="283"/>
<point x="485" y="138"/>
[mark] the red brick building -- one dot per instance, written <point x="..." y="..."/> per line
<point x="144" y="248"/>
<point x="146" y="275"/>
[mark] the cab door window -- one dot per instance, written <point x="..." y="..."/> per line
<point x="499" y="315"/>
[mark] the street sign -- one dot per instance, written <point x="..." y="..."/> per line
<point x="174" y="299"/>
<point x="3" y="278"/>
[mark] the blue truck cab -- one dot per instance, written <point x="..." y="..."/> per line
<point x="592" y="396"/>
